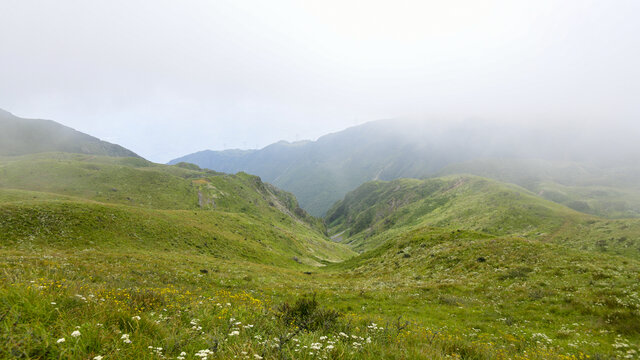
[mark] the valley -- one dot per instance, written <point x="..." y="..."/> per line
<point x="119" y="257"/>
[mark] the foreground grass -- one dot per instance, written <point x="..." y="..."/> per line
<point x="168" y="307"/>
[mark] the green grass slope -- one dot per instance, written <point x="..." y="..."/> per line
<point x="62" y="198"/>
<point x="518" y="287"/>
<point x="79" y="225"/>
<point x="379" y="210"/>
<point x="138" y="182"/>
<point x="124" y="259"/>
<point x="611" y="191"/>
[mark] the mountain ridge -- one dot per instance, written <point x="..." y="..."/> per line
<point x="321" y="172"/>
<point x="22" y="136"/>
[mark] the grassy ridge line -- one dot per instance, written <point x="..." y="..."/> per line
<point x="72" y="196"/>
<point x="20" y="136"/>
<point x="380" y="210"/>
<point x="65" y="224"/>
<point x="141" y="183"/>
<point x="609" y="191"/>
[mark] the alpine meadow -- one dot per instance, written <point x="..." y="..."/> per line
<point x="320" y="180"/>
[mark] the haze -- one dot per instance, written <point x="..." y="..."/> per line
<point x="169" y="78"/>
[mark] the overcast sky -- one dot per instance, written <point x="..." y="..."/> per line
<point x="167" y="78"/>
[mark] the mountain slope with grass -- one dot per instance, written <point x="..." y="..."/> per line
<point x="378" y="210"/>
<point x="124" y="281"/>
<point x="525" y="289"/>
<point x="61" y="198"/>
<point x="610" y="190"/>
<point x="322" y="172"/>
<point x="20" y="136"/>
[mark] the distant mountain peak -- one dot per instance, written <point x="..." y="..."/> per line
<point x="5" y="113"/>
<point x="20" y="136"/>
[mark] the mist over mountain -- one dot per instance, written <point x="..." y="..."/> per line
<point x="20" y="136"/>
<point x="321" y="172"/>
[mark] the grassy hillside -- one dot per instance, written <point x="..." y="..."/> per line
<point x="138" y="182"/>
<point x="611" y="191"/>
<point x="79" y="225"/>
<point x="20" y="136"/>
<point x="60" y="197"/>
<point x="422" y="295"/>
<point x="379" y="210"/>
<point x="520" y="288"/>
<point x="322" y="172"/>
<point x="120" y="258"/>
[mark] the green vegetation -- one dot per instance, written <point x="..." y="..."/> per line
<point x="120" y="258"/>
<point x="602" y="181"/>
<point x="125" y="201"/>
<point x="611" y="191"/>
<point x="378" y="211"/>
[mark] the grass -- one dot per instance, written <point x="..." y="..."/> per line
<point x="47" y="294"/>
<point x="378" y="211"/>
<point x="226" y="266"/>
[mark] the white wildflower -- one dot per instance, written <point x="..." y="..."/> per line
<point x="75" y="333"/>
<point x="61" y="340"/>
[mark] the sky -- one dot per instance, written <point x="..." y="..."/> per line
<point x="167" y="78"/>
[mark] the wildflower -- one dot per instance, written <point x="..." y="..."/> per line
<point x="258" y="357"/>
<point x="329" y="347"/>
<point x="99" y="357"/>
<point x="343" y="334"/>
<point x="61" y="340"/>
<point x="75" y="333"/>
<point x="203" y="354"/>
<point x="137" y="318"/>
<point x="234" y="333"/>
<point x="125" y="338"/>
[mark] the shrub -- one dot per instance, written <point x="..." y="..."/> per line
<point x="308" y="315"/>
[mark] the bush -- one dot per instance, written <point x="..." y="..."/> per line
<point x="306" y="314"/>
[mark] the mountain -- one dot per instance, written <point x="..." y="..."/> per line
<point x="608" y="190"/>
<point x="68" y="199"/>
<point x="377" y="211"/>
<point x="121" y="257"/>
<point x="321" y="172"/>
<point x="20" y="136"/>
<point x="126" y="258"/>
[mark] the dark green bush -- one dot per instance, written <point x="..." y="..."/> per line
<point x="307" y="314"/>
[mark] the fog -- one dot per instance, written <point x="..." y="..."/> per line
<point x="166" y="78"/>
